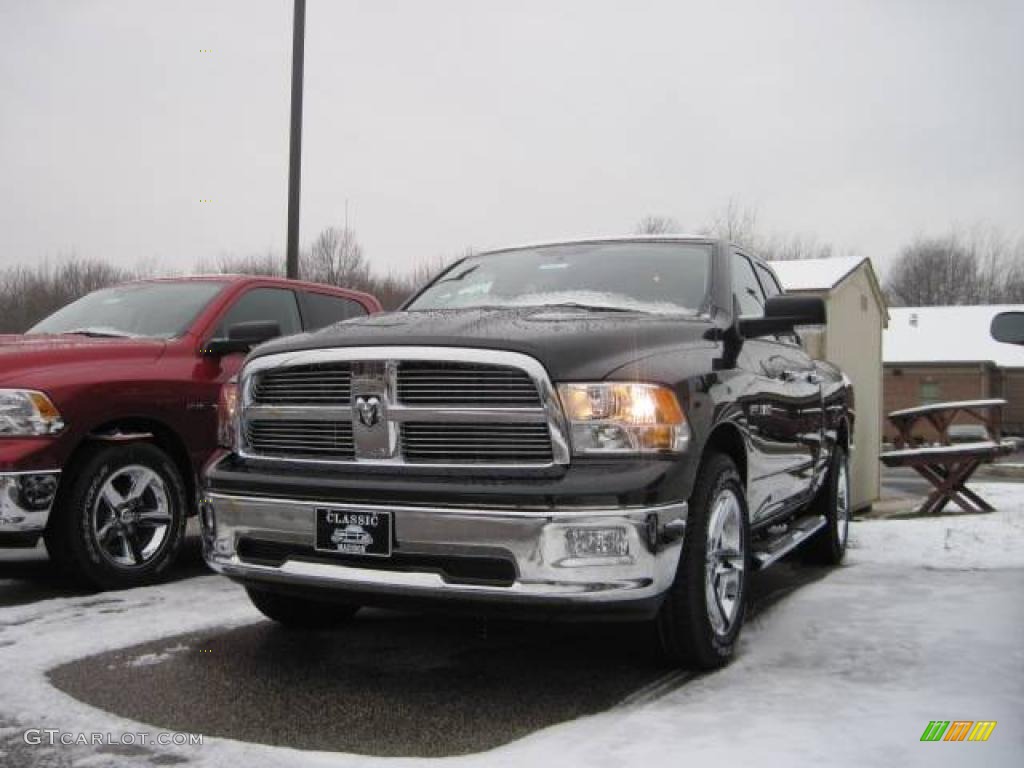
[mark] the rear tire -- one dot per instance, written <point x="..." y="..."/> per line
<point x="828" y="546"/>
<point x="121" y="521"/>
<point x="703" y="613"/>
<point x="300" y="612"/>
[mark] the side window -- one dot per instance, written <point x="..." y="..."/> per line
<point x="267" y="304"/>
<point x="768" y="282"/>
<point x="746" y="287"/>
<point x="320" y="310"/>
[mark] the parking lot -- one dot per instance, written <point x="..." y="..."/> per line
<point x="918" y="625"/>
<point x="436" y="685"/>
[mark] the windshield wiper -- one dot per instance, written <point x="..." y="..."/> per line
<point x="99" y="333"/>
<point x="593" y="307"/>
<point x="460" y="276"/>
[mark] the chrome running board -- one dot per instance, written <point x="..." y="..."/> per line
<point x="769" y="551"/>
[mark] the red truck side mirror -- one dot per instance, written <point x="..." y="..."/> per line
<point x="242" y="337"/>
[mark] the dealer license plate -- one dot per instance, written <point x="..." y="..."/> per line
<point x="353" y="532"/>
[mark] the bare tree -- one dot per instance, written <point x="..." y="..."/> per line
<point x="979" y="266"/>
<point x="657" y="225"/>
<point x="738" y="223"/>
<point x="28" y="294"/>
<point x="336" y="258"/>
<point x="793" y="247"/>
<point x="270" y="264"/>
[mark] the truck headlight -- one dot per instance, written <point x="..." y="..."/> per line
<point x="227" y="416"/>
<point x="27" y="413"/>
<point x="624" y="417"/>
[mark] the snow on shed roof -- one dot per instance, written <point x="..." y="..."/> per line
<point x="948" y="335"/>
<point x="815" y="274"/>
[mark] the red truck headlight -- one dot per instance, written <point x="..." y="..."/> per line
<point x="227" y="416"/>
<point x="27" y="413"/>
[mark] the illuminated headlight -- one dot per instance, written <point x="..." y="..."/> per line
<point x="227" y="415"/>
<point x="27" y="413"/>
<point x="623" y="417"/>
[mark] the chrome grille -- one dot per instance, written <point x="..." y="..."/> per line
<point x="437" y="406"/>
<point x="442" y="443"/>
<point x="464" y="384"/>
<point x="327" y="384"/>
<point x="302" y="438"/>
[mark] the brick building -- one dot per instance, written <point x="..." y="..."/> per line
<point x="939" y="354"/>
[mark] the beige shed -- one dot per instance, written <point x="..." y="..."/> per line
<point x="857" y="315"/>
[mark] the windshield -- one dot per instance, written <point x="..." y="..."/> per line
<point x="631" y="276"/>
<point x="155" y="310"/>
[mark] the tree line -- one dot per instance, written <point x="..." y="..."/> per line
<point x="974" y="266"/>
<point x="977" y="265"/>
<point x="30" y="293"/>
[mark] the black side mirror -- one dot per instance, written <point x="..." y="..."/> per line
<point x="784" y="313"/>
<point x="242" y="337"/>
<point x="1008" y="327"/>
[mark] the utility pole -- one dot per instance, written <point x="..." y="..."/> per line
<point x="295" y="141"/>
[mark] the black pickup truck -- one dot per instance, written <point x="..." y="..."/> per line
<point x="623" y="428"/>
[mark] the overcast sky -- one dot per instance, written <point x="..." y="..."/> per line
<point x="449" y="124"/>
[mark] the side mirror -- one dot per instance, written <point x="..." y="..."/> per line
<point x="242" y="337"/>
<point x="784" y="313"/>
<point x="1008" y="327"/>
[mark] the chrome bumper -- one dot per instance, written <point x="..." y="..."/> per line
<point x="535" y="541"/>
<point x="26" y="499"/>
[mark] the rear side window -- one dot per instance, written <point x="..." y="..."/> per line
<point x="276" y="305"/>
<point x="746" y="287"/>
<point x="320" y="310"/>
<point x="768" y="282"/>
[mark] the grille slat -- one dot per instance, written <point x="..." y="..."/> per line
<point x="318" y="384"/>
<point x="462" y="384"/>
<point x="475" y="443"/>
<point x="302" y="438"/>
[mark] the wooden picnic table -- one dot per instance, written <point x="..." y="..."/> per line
<point x="941" y="416"/>
<point x="948" y="467"/>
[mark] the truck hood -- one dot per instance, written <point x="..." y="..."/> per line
<point x="29" y="360"/>
<point x="572" y="344"/>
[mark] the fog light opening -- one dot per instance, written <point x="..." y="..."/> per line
<point x="596" y="542"/>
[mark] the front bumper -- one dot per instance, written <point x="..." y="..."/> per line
<point x="239" y="531"/>
<point x="26" y="499"/>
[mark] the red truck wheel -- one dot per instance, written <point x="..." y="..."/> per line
<point x="121" y="521"/>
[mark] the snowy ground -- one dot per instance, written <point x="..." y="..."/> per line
<point x="923" y="622"/>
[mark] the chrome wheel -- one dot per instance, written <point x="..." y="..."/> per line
<point x="725" y="562"/>
<point x="843" y="502"/>
<point x="131" y="516"/>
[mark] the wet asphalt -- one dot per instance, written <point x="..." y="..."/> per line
<point x="388" y="684"/>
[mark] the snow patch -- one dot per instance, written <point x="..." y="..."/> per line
<point x="150" y="659"/>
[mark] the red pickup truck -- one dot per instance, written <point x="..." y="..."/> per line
<point x="108" y="409"/>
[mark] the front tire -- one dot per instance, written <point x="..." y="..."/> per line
<point x="299" y="612"/>
<point x="121" y="522"/>
<point x="703" y="613"/>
